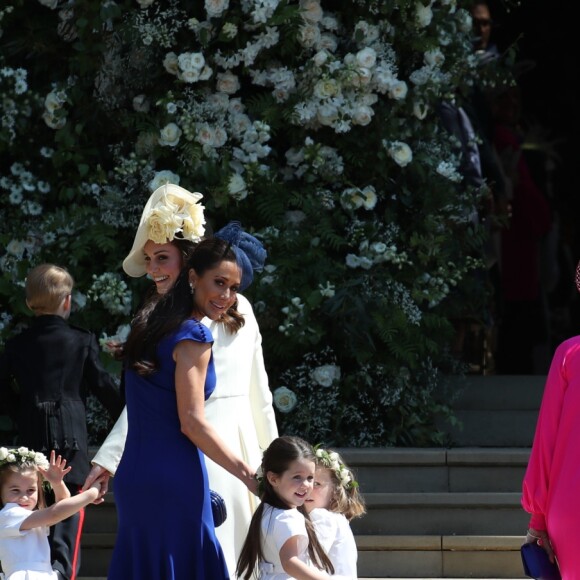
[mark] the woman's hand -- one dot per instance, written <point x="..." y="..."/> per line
<point x="542" y="539"/>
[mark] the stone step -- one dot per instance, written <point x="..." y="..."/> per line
<point x="495" y="411"/>
<point x="386" y="556"/>
<point x="470" y="513"/>
<point x="438" y="470"/>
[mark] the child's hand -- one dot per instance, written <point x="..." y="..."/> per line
<point x="56" y="471"/>
<point x="100" y="485"/>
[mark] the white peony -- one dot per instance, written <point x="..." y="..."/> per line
<point x="366" y="57"/>
<point x="362" y="115"/>
<point x="326" y="88"/>
<point x="398" y="90"/>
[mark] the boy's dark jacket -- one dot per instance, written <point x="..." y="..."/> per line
<point x="55" y="366"/>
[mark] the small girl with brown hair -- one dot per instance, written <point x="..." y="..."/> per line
<point x="281" y="543"/>
<point x="333" y="503"/>
<point x="24" y="517"/>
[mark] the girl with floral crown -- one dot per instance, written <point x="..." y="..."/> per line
<point x="281" y="543"/>
<point x="24" y="517"/>
<point x="335" y="500"/>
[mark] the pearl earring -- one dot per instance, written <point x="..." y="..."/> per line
<point x="192" y="288"/>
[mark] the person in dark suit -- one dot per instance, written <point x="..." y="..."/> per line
<point x="54" y="366"/>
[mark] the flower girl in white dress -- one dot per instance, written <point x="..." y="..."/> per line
<point x="24" y="519"/>
<point x="333" y="503"/>
<point x="281" y="543"/>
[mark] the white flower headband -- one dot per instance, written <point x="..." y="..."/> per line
<point x="331" y="460"/>
<point x="23" y="457"/>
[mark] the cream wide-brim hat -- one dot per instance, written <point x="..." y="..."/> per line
<point x="164" y="200"/>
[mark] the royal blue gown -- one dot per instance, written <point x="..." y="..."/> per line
<point x="165" y="522"/>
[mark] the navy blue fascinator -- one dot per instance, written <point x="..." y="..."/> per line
<point x="250" y="253"/>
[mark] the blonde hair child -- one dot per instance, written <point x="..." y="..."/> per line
<point x="333" y="503"/>
<point x="24" y="519"/>
<point x="281" y="543"/>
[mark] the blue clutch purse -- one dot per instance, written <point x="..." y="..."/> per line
<point x="218" y="508"/>
<point x="537" y="564"/>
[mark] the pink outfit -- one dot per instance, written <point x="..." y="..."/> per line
<point x="551" y="487"/>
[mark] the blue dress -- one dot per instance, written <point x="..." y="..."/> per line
<point x="165" y="522"/>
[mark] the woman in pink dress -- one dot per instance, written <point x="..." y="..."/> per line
<point x="551" y="487"/>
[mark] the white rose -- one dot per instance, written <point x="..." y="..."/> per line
<point x="326" y="114"/>
<point x="366" y="57"/>
<point x="170" y="63"/>
<point x="398" y="90"/>
<point x="326" y="88"/>
<point x="311" y="10"/>
<point x="54" y="122"/>
<point x="309" y="35"/>
<point x="237" y="187"/>
<point x="284" y="399"/>
<point x="363" y="115"/>
<point x="191" y="61"/>
<point x="369" y="197"/>
<point x="205" y="135"/>
<point x="162" y="178"/>
<point x="434" y="57"/>
<point x="401" y="153"/>
<point x="11" y="458"/>
<point x="227" y="83"/>
<point x="320" y="58"/>
<point x="327" y="42"/>
<point x="54" y="100"/>
<point x="170" y="135"/>
<point x="141" y="104"/>
<point x="424" y="15"/>
<point x="333" y="456"/>
<point x="325" y="375"/>
<point x="23" y="450"/>
<point x="215" y="8"/>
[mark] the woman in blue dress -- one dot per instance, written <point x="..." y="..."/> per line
<point x="166" y="529"/>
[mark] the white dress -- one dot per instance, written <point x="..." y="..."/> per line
<point x="278" y="526"/>
<point x="25" y="555"/>
<point x="240" y="409"/>
<point x="335" y="535"/>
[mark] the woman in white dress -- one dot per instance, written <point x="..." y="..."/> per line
<point x="240" y="408"/>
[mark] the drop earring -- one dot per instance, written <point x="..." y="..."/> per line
<point x="191" y="288"/>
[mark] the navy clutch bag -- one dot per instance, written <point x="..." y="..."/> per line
<point x="537" y="564"/>
<point x="218" y="508"/>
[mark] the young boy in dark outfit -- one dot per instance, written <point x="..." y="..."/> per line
<point x="55" y="366"/>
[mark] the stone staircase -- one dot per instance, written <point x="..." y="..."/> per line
<point x="432" y="513"/>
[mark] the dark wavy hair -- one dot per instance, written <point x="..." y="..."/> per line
<point x="163" y="314"/>
<point x="277" y="459"/>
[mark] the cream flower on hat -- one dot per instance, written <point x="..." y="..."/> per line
<point x="170" y="212"/>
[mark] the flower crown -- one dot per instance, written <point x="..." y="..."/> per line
<point x="331" y="460"/>
<point x="23" y="457"/>
<point x="173" y="215"/>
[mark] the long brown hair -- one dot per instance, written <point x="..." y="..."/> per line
<point x="277" y="459"/>
<point x="164" y="313"/>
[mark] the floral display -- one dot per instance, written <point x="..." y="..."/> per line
<point x="314" y="123"/>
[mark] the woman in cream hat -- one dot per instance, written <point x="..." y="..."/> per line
<point x="241" y="406"/>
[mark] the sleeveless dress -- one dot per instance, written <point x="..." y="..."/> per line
<point x="165" y="522"/>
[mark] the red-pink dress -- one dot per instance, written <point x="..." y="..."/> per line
<point x="551" y="487"/>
